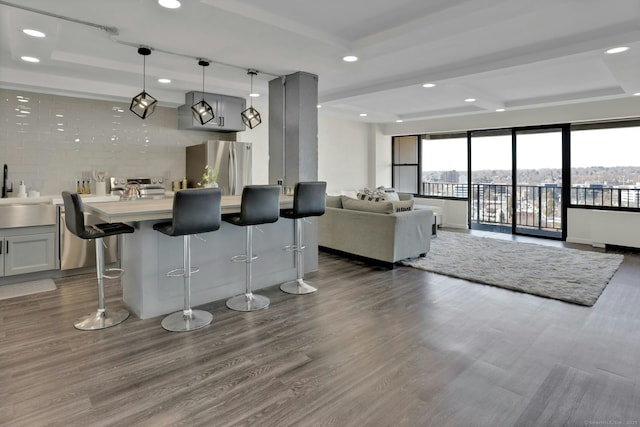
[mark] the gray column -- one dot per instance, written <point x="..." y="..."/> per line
<point x="293" y="129"/>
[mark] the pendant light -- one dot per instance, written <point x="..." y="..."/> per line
<point x="143" y="104"/>
<point x="202" y="111"/>
<point x="251" y="116"/>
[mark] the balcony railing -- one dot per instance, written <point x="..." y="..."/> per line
<point x="537" y="207"/>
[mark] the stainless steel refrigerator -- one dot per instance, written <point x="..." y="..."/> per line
<point x="231" y="158"/>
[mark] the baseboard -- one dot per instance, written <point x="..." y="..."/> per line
<point x="371" y="261"/>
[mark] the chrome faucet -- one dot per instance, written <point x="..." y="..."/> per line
<point x="5" y="190"/>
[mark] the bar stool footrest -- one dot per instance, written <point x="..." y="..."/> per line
<point x="242" y="258"/>
<point x="102" y="319"/>
<point x="179" y="272"/>
<point x="110" y="270"/>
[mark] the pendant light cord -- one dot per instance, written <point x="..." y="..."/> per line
<point x="251" y="93"/>
<point x="144" y="72"/>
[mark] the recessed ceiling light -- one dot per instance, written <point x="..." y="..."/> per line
<point x="617" y="49"/>
<point x="169" y="4"/>
<point x="60" y="130"/>
<point x="33" y="33"/>
<point x="318" y="106"/>
<point x="470" y="100"/>
<point x="636" y="94"/>
<point x="29" y="59"/>
<point x="350" y="58"/>
<point x="59" y="115"/>
<point x="499" y="110"/>
<point x="429" y="85"/>
<point x="254" y="95"/>
<point x="399" y="121"/>
<point x="164" y="81"/>
<point x="363" y="114"/>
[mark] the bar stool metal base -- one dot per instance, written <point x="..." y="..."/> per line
<point x="298" y="287"/>
<point x="248" y="302"/>
<point x="102" y="319"/>
<point x="179" y="322"/>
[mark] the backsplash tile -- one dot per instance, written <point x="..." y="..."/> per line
<point x="50" y="141"/>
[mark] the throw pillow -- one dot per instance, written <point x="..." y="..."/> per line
<point x="333" y="201"/>
<point x="392" y="196"/>
<point x="366" y="205"/>
<point x="403" y="205"/>
<point x="370" y="196"/>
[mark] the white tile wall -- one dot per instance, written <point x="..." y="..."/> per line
<point x="50" y="141"/>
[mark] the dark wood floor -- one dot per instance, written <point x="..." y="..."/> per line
<point x="374" y="347"/>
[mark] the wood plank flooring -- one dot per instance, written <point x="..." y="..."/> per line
<point x="373" y="347"/>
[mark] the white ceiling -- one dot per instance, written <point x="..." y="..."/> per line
<point x="511" y="54"/>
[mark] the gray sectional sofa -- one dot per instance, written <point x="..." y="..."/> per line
<point x="386" y="232"/>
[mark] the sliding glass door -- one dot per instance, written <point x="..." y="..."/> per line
<point x="490" y="198"/>
<point x="517" y="180"/>
<point x="538" y="182"/>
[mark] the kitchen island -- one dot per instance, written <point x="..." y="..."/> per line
<point x="148" y="255"/>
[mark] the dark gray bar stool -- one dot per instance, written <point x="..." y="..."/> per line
<point x="194" y="211"/>
<point x="74" y="219"/>
<point x="260" y="205"/>
<point x="309" y="199"/>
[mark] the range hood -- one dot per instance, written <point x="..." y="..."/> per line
<point x="226" y="111"/>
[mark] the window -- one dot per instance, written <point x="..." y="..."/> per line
<point x="605" y="165"/>
<point x="406" y="153"/>
<point x="444" y="166"/>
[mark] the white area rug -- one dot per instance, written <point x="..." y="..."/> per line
<point x="26" y="288"/>
<point x="570" y="275"/>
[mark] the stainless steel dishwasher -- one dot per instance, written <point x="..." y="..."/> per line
<point x="76" y="252"/>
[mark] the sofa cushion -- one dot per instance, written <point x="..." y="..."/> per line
<point x="367" y="206"/>
<point x="333" y="201"/>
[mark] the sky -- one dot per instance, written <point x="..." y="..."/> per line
<point x="598" y="147"/>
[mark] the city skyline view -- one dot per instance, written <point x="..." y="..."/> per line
<point x="591" y="148"/>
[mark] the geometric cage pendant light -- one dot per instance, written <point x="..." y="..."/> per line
<point x="143" y="104"/>
<point x="251" y="116"/>
<point x="202" y="111"/>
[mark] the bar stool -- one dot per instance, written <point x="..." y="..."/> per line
<point x="260" y="205"/>
<point x="194" y="211"/>
<point x="74" y="220"/>
<point x="309" y="199"/>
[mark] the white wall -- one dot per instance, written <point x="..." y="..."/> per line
<point x="95" y="135"/>
<point x="600" y="227"/>
<point x="259" y="137"/>
<point x="344" y="153"/>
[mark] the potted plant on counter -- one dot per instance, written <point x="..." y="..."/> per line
<point x="209" y="177"/>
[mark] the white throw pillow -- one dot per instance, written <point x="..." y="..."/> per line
<point x="367" y="206"/>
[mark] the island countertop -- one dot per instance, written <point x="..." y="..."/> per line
<point x="158" y="209"/>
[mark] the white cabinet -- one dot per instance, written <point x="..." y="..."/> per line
<point x="27" y="253"/>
